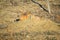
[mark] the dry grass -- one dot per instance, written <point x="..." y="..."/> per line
<point x="33" y="24"/>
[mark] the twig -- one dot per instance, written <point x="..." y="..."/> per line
<point x="40" y="6"/>
<point x="48" y="6"/>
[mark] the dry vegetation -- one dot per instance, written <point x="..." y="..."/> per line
<point x="25" y="20"/>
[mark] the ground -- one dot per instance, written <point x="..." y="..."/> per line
<point x="25" y="20"/>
